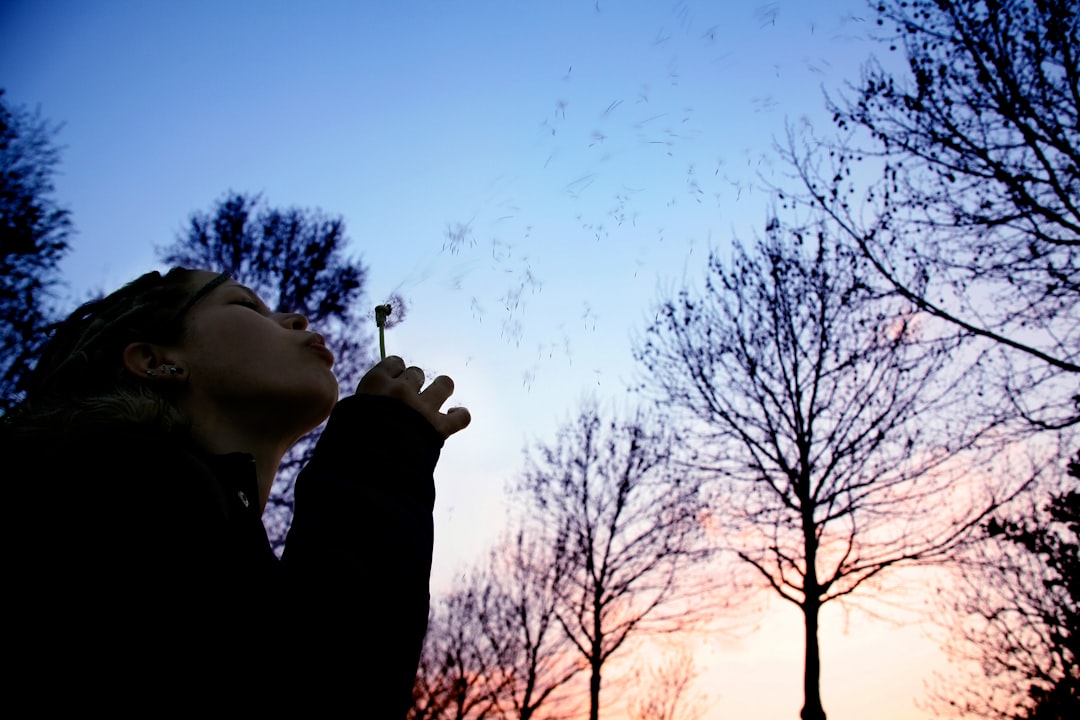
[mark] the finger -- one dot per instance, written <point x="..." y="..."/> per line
<point x="381" y="375"/>
<point x="437" y="393"/>
<point x="455" y="419"/>
<point x="414" y="376"/>
<point x="394" y="365"/>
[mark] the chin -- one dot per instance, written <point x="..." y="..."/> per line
<point x="315" y="405"/>
<point x="330" y="398"/>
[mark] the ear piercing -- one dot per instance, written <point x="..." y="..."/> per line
<point x="166" y="370"/>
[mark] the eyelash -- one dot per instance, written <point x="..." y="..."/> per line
<point x="247" y="304"/>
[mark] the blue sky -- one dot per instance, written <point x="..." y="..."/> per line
<point x="585" y="155"/>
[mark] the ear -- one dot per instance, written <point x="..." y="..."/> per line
<point x="150" y="361"/>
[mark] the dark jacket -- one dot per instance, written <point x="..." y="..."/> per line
<point x="139" y="577"/>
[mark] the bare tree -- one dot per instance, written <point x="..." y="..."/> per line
<point x="532" y="663"/>
<point x="495" y="648"/>
<point x="666" y="690"/>
<point x="975" y="218"/>
<point x="453" y="681"/>
<point x="1012" y="623"/>
<point x="626" y="529"/>
<point x="810" y="401"/>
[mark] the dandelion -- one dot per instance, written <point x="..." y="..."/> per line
<point x="381" y="313"/>
<point x="382" y="319"/>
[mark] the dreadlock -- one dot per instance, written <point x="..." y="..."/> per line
<point x="80" y="376"/>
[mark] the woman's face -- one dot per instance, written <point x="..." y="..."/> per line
<point x="248" y="364"/>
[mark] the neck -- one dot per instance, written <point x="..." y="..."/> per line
<point x="263" y="430"/>
<point x="267" y="452"/>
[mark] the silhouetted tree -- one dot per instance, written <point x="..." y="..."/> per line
<point x="626" y="531"/>
<point x="454" y="678"/>
<point x="975" y="218"/>
<point x="495" y="648"/>
<point x="808" y="400"/>
<point x="1017" y="619"/>
<point x="528" y="648"/>
<point x="34" y="232"/>
<point x="665" y="690"/>
<point x="296" y="259"/>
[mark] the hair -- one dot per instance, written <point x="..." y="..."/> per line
<point x="80" y="377"/>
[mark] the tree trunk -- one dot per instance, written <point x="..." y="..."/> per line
<point x="812" y="708"/>
<point x="811" y="606"/>
<point x="594" y="693"/>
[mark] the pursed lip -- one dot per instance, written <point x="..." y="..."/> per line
<point x="318" y="343"/>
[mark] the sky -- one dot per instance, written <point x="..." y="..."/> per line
<point x="532" y="176"/>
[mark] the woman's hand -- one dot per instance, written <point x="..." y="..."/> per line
<point x="392" y="378"/>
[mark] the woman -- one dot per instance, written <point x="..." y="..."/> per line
<point x="138" y="468"/>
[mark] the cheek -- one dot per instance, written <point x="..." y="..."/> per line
<point x="224" y="357"/>
<point x="232" y="342"/>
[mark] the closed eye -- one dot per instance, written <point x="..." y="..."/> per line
<point x="246" y="298"/>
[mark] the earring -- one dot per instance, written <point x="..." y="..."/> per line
<point x="167" y="369"/>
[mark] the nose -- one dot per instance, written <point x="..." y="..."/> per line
<point x="294" y="321"/>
